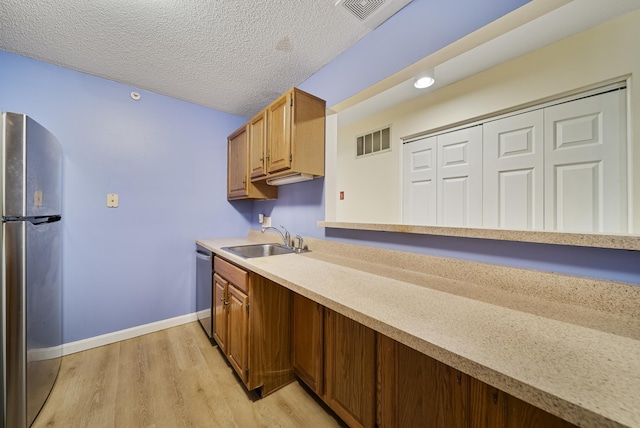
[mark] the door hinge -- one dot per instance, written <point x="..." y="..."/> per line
<point x="290" y="157"/>
<point x="246" y="372"/>
<point x="291" y="103"/>
<point x="247" y="308"/>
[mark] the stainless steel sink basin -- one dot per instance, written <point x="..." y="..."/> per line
<point x="259" y="250"/>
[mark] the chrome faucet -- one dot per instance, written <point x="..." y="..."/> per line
<point x="286" y="237"/>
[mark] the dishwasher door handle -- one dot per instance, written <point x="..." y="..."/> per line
<point x="203" y="256"/>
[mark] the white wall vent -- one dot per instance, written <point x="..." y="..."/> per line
<point x="372" y="13"/>
<point x="377" y="141"/>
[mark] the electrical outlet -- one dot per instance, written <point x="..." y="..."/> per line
<point x="260" y="218"/>
<point x="112" y="200"/>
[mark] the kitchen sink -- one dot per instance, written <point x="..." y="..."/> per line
<point x="259" y="250"/>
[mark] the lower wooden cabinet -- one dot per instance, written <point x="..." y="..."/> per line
<point x="371" y="380"/>
<point x="350" y="369"/>
<point x="336" y="357"/>
<point x="491" y="407"/>
<point x="252" y="326"/>
<point x="238" y="331"/>
<point x="416" y="390"/>
<point x="307" y="345"/>
<point x="220" y="328"/>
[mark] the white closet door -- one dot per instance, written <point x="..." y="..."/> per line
<point x="513" y="177"/>
<point x="459" y="178"/>
<point x="585" y="165"/>
<point x="419" y="182"/>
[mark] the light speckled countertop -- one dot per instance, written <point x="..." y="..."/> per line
<point x="575" y="362"/>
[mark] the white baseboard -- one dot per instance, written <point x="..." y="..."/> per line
<point x="117" y="336"/>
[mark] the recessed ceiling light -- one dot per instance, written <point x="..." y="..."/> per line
<point x="424" y="80"/>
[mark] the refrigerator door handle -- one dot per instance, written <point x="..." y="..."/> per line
<point x="203" y="256"/>
<point x="45" y="220"/>
<point x="34" y="220"/>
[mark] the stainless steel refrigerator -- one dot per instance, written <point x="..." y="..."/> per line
<point x="31" y="320"/>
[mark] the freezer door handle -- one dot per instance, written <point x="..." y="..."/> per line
<point x="34" y="220"/>
<point x="203" y="256"/>
<point x="44" y="220"/>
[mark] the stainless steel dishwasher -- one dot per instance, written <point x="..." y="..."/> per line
<point x="204" y="281"/>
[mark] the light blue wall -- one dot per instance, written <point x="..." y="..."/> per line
<point x="404" y="39"/>
<point x="416" y="31"/>
<point x="165" y="158"/>
<point x="300" y="206"/>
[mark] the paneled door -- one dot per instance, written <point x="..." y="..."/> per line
<point x="350" y="369"/>
<point x="585" y="165"/>
<point x="419" y="182"/>
<point x="257" y="144"/>
<point x="513" y="177"/>
<point x="459" y="175"/>
<point x="279" y="134"/>
<point x="237" y="173"/>
<point x="238" y="332"/>
<point x="220" y="311"/>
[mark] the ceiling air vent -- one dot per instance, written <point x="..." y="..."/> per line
<point x="362" y="8"/>
<point x="372" y="13"/>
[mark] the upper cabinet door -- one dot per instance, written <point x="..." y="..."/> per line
<point x="459" y="190"/>
<point x="513" y="152"/>
<point x="279" y="134"/>
<point x="419" y="182"/>
<point x="239" y="185"/>
<point x="257" y="145"/>
<point x="585" y="165"/>
<point x="237" y="164"/>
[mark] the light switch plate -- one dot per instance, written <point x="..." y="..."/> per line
<point x="266" y="221"/>
<point x="112" y="200"/>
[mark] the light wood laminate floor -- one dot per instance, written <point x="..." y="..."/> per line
<point x="171" y="378"/>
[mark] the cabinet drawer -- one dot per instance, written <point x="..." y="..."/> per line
<point x="232" y="273"/>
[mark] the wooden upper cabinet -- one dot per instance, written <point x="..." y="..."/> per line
<point x="239" y="185"/>
<point x="258" y="145"/>
<point x="285" y="138"/>
<point x="237" y="170"/>
<point x="295" y="135"/>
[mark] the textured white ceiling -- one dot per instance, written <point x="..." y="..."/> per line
<point x="234" y="56"/>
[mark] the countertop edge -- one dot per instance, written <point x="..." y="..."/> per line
<point x="571" y="410"/>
